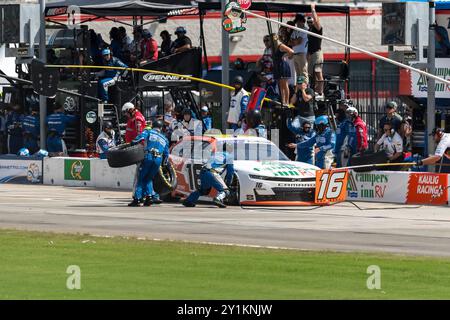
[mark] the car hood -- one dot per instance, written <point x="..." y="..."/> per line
<point x="276" y="168"/>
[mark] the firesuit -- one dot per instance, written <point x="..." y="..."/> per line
<point x="15" y="137"/>
<point x="156" y="148"/>
<point x="304" y="154"/>
<point x="56" y="125"/>
<point x="345" y="141"/>
<point x="109" y="77"/>
<point x="135" y="126"/>
<point x="325" y="140"/>
<point x="211" y="177"/>
<point x="361" y="134"/>
<point x="31" y="128"/>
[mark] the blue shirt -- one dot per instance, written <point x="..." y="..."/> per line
<point x="154" y="140"/>
<point x="219" y="162"/>
<point x="12" y="119"/>
<point x="208" y="122"/>
<point x="324" y="141"/>
<point x="345" y="129"/>
<point x="31" y="125"/>
<point x="114" y="62"/>
<point x="58" y="122"/>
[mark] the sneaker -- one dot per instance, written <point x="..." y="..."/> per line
<point x="219" y="203"/>
<point x="135" y="203"/>
<point x="148" y="202"/>
<point x="188" y="204"/>
<point x="157" y="201"/>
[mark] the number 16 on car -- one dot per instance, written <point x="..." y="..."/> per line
<point x="331" y="186"/>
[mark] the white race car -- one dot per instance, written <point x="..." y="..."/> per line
<point x="263" y="174"/>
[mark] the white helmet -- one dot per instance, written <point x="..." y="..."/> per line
<point x="352" y="111"/>
<point x="205" y="109"/>
<point x="127" y="107"/>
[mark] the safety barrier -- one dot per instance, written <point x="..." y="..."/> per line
<point x="399" y="187"/>
<point x="85" y="172"/>
<point x="23" y="170"/>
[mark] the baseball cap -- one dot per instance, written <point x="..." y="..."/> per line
<point x="391" y="105"/>
<point x="205" y="109"/>
<point x="301" y="79"/>
<point x="106" y="52"/>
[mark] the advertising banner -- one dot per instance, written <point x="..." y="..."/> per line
<point x="428" y="188"/>
<point x="378" y="186"/>
<point x="15" y="169"/>
<point x="77" y="170"/>
<point x="419" y="83"/>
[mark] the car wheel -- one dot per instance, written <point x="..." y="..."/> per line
<point x="235" y="191"/>
<point x="165" y="181"/>
<point x="125" y="155"/>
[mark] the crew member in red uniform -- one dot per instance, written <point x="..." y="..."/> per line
<point x="362" y="143"/>
<point x="135" y="124"/>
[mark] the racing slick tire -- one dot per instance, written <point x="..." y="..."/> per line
<point x="125" y="155"/>
<point x="235" y="190"/>
<point x="165" y="182"/>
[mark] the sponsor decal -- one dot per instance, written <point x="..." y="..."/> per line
<point x="428" y="188"/>
<point x="56" y="11"/>
<point x="250" y="197"/>
<point x="79" y="170"/>
<point x="331" y="186"/>
<point x="285" y="170"/>
<point x="233" y="19"/>
<point x="91" y="117"/>
<point x="151" y="77"/>
<point x="33" y="173"/>
<point x="245" y="4"/>
<point x="367" y="185"/>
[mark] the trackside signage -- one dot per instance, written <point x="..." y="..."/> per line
<point x="428" y="188"/>
<point x="378" y="186"/>
<point x="77" y="170"/>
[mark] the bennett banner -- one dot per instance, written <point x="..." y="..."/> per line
<point x="15" y="169"/>
<point x="186" y="63"/>
<point x="428" y="188"/>
<point x="378" y="186"/>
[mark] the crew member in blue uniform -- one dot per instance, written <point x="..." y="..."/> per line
<point x="325" y="141"/>
<point x="156" y="148"/>
<point x="220" y="162"/>
<point x="345" y="136"/>
<point x="31" y="128"/>
<point x="109" y="77"/>
<point x="14" y="128"/>
<point x="206" y="118"/>
<point x="305" y="133"/>
<point x="56" y="126"/>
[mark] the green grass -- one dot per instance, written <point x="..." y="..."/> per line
<point x="33" y="266"/>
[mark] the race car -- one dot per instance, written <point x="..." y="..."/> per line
<point x="263" y="173"/>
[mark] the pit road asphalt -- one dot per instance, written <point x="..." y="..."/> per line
<point x="374" y="227"/>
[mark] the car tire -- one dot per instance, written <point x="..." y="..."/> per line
<point x="125" y="155"/>
<point x="165" y="182"/>
<point x="235" y="191"/>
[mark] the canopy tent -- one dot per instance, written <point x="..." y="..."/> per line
<point x="279" y="7"/>
<point x="104" y="8"/>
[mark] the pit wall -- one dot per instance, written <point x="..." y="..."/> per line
<point x="85" y="172"/>
<point x="399" y="187"/>
<point x="375" y="186"/>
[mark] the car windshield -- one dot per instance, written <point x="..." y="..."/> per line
<point x="257" y="151"/>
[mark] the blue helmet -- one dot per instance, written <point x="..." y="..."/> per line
<point x="42" y="153"/>
<point x="321" y="120"/>
<point x="24" y="152"/>
<point x="106" y="52"/>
